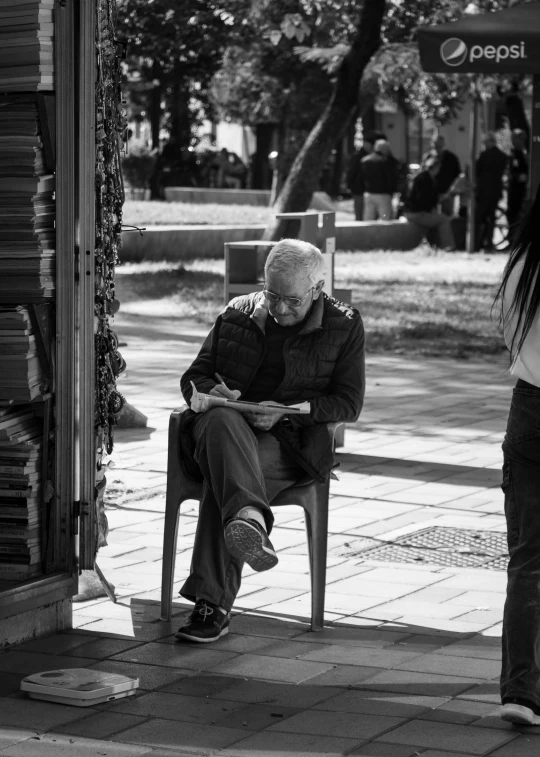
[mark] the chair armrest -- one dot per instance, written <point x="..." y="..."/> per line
<point x="174" y="430"/>
<point x="176" y="414"/>
<point x="332" y="429"/>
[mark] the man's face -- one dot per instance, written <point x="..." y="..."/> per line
<point x="292" y="285"/>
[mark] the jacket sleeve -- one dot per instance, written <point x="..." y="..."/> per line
<point x="202" y="369"/>
<point x="345" y="399"/>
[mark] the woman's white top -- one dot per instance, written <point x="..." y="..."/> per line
<point x="526" y="366"/>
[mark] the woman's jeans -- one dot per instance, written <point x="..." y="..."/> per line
<point x="241" y="466"/>
<point x="520" y="675"/>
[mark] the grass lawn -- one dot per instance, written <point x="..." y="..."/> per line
<point x="152" y="213"/>
<point x="414" y="303"/>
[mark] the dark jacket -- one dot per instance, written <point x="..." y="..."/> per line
<point x="355" y="180"/>
<point x="421" y="196"/>
<point x="324" y="364"/>
<point x="379" y="174"/>
<point x="490" y="168"/>
<point x="517" y="168"/>
<point x="448" y="172"/>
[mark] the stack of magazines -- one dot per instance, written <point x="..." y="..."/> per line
<point x="20" y="493"/>
<point x="27" y="206"/>
<point x="26" y="45"/>
<point x="22" y="377"/>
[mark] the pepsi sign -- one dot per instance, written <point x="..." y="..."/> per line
<point x="454" y="52"/>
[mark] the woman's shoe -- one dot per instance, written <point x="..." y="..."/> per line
<point x="520" y="712"/>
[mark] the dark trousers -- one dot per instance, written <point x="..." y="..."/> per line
<point x="485" y="221"/>
<point x="516" y="199"/>
<point x="241" y="466"/>
<point x="520" y="675"/>
<point x="358" y="207"/>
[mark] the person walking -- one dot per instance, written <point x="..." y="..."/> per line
<point x="380" y="180"/>
<point x="449" y="170"/>
<point x="490" y="169"/>
<point x="420" y="204"/>
<point x="519" y="300"/>
<point x="518" y="176"/>
<point x="355" y="180"/>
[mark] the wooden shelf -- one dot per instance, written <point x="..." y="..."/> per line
<point x="22" y="596"/>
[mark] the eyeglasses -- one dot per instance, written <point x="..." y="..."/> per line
<point x="292" y="302"/>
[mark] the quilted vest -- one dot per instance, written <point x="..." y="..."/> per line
<point x="310" y="355"/>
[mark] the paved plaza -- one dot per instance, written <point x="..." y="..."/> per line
<point x="409" y="660"/>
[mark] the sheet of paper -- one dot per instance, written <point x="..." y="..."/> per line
<point x="201" y="402"/>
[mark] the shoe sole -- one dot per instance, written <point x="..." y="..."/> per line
<point x="246" y="543"/>
<point x="198" y="639"/>
<point x="516" y="713"/>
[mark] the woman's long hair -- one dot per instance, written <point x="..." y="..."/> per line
<point x="526" y="299"/>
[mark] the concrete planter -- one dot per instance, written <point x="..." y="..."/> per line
<point x="260" y="197"/>
<point x="187" y="242"/>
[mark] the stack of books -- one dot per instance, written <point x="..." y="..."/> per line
<point x="20" y="494"/>
<point x="27" y="206"/>
<point x="26" y="45"/>
<point x="22" y="378"/>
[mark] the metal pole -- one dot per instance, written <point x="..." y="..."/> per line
<point x="471" y="205"/>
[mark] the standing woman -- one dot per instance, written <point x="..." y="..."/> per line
<point x="519" y="296"/>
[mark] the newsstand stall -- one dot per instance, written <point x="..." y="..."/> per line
<point x="61" y="127"/>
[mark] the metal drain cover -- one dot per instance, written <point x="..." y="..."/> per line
<point x="451" y="547"/>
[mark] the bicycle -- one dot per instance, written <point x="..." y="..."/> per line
<point x="501" y="229"/>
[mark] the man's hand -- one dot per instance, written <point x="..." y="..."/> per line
<point x="264" y="422"/>
<point x="220" y="390"/>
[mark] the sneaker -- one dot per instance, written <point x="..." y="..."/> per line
<point x="248" y="541"/>
<point x="206" y="623"/>
<point x="520" y="711"/>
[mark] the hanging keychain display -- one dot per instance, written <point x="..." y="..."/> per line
<point x="111" y="124"/>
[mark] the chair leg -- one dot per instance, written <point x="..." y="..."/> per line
<point x="172" y="511"/>
<point x="317" y="536"/>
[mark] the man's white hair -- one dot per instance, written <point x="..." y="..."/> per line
<point x="290" y="256"/>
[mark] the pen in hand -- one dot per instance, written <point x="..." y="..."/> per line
<point x="223" y="390"/>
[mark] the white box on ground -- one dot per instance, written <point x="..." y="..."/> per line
<point x="79" y="686"/>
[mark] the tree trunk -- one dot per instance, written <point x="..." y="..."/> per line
<point x="180" y="115"/>
<point x="155" y="125"/>
<point x="302" y="180"/>
<point x="261" y="172"/>
<point x="155" y="106"/>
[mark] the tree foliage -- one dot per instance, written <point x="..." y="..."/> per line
<point x="395" y="71"/>
<point x="331" y="125"/>
<point x="174" y="49"/>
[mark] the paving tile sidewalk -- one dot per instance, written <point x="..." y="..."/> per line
<point x="409" y="661"/>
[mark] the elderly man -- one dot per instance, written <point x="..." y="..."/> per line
<point x="355" y="177"/>
<point x="290" y="343"/>
<point x="490" y="167"/>
<point x="380" y="177"/>
<point x="518" y="177"/>
<point x="449" y="170"/>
